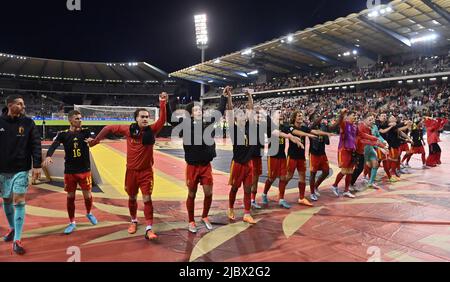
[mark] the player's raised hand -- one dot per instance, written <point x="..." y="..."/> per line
<point x="47" y="162"/>
<point x="163" y="97"/>
<point x="226" y="91"/>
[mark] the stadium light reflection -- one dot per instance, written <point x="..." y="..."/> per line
<point x="425" y="38"/>
<point x="247" y="52"/>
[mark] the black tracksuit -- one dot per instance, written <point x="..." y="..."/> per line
<point x="20" y="144"/>
<point x="200" y="154"/>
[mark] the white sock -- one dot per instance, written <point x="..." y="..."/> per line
<point x="149" y="227"/>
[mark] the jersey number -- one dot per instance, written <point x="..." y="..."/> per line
<point x="76" y="153"/>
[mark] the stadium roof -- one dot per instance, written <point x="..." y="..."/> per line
<point x="395" y="28"/>
<point x="59" y="70"/>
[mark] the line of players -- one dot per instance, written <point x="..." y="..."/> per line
<point x="362" y="147"/>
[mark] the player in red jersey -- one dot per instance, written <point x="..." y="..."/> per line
<point x="140" y="141"/>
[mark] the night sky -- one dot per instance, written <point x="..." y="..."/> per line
<point x="158" y="32"/>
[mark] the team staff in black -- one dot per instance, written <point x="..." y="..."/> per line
<point x="20" y="143"/>
<point x="77" y="166"/>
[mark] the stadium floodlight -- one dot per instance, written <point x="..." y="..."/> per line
<point x="253" y="72"/>
<point x="247" y="52"/>
<point x="425" y="38"/>
<point x="210" y="81"/>
<point x="346" y="54"/>
<point x="193" y="69"/>
<point x="445" y="78"/>
<point x="355" y="52"/>
<point x="201" y="30"/>
<point x="201" y="33"/>
<point x="436" y="22"/>
<point x="217" y="61"/>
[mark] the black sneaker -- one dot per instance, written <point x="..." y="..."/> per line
<point x="9" y="236"/>
<point x="18" y="248"/>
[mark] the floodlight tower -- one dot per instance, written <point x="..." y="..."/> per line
<point x="201" y="32"/>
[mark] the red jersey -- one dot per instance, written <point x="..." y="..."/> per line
<point x="139" y="156"/>
<point x="433" y="128"/>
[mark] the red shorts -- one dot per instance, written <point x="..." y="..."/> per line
<point x="394" y="154"/>
<point x="381" y="156"/>
<point x="276" y="167"/>
<point x="196" y="174"/>
<point x="241" y="174"/>
<point x="404" y="147"/>
<point x="71" y="181"/>
<point x="257" y="166"/>
<point x="345" y="159"/>
<point x="317" y="163"/>
<point x="135" y="179"/>
<point x="417" y="150"/>
<point x="293" y="164"/>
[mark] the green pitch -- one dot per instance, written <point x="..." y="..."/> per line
<point x="85" y="122"/>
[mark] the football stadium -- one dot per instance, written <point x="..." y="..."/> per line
<point x="328" y="143"/>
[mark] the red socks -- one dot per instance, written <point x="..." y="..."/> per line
<point x="190" y="206"/>
<point x="71" y="208"/>
<point x="206" y="205"/>
<point x="132" y="206"/>
<point x="148" y="212"/>
<point x="302" y="188"/>
<point x="282" y="189"/>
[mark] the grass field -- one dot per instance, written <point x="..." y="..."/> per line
<point x="85" y="122"/>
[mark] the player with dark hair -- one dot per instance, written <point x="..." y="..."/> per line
<point x="141" y="137"/>
<point x="418" y="144"/>
<point x="198" y="156"/>
<point x="21" y="151"/>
